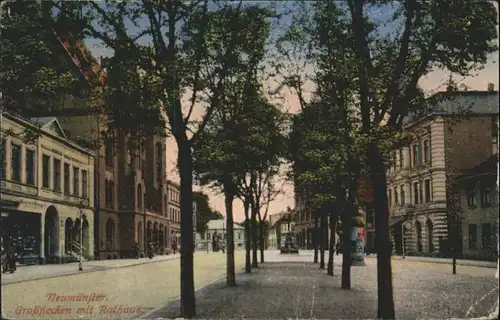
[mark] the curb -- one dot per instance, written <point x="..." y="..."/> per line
<point x="95" y="269"/>
<point x="151" y="312"/>
<point x="466" y="263"/>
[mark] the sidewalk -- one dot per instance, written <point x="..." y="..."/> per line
<point x="301" y="290"/>
<point x="460" y="262"/>
<point x="37" y="272"/>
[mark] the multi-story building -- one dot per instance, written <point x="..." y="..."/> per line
<point x="419" y="174"/>
<point x="174" y="213"/>
<point x="47" y="191"/>
<point x="478" y="202"/>
<point x="217" y="229"/>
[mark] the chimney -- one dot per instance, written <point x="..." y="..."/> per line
<point x="491" y="87"/>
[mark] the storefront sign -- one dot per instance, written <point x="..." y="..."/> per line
<point x="31" y="205"/>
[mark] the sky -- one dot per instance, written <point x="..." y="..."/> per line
<point x="431" y="83"/>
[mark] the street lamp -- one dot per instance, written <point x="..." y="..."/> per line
<point x="83" y="204"/>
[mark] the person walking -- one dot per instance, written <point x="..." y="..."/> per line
<point x="10" y="260"/>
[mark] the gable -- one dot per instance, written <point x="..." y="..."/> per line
<point x="55" y="128"/>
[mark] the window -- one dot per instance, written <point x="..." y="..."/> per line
<point x="46" y="171"/>
<point x="108" y="149"/>
<point x="494" y="126"/>
<point x="415" y="192"/>
<point x="3" y="159"/>
<point x="139" y="197"/>
<point x="66" y="178"/>
<point x="471" y="197"/>
<point x="428" y="194"/>
<point x="415" y="155"/>
<point x="486" y="236"/>
<point x="85" y="187"/>
<point x="159" y="161"/>
<point x="485" y="197"/>
<point x="30" y="167"/>
<point x="420" y="193"/>
<point x="76" y="181"/>
<point x="202" y="235"/>
<point x="396" y="200"/>
<point x="239" y="235"/>
<point x="389" y="198"/>
<point x="394" y="163"/>
<point x="401" y="158"/>
<point x="402" y="194"/>
<point x="57" y="174"/>
<point x="15" y="163"/>
<point x="427" y="152"/>
<point x="472" y="236"/>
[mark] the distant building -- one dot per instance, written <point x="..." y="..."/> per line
<point x="217" y="229"/>
<point x="47" y="191"/>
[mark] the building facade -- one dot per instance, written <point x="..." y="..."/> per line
<point x="419" y="174"/>
<point x="47" y="191"/>
<point x="478" y="202"/>
<point x="217" y="231"/>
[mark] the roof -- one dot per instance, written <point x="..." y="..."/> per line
<point x="48" y="123"/>
<point x="457" y="102"/>
<point x="484" y="169"/>
<point x="220" y="224"/>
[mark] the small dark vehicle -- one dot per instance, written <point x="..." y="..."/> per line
<point x="289" y="246"/>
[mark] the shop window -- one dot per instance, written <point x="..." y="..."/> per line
<point x="30" y="167"/>
<point x="15" y="162"/>
<point x="46" y="171"/>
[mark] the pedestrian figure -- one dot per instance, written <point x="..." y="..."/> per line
<point x="136" y="250"/>
<point x="10" y="260"/>
<point x="174" y="246"/>
<point x="150" y="251"/>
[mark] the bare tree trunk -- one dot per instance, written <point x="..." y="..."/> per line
<point x="322" y="233"/>
<point x="248" y="265"/>
<point x="315" y="239"/>
<point x="382" y="239"/>
<point x="261" y="241"/>
<point x="255" y="263"/>
<point x="346" y="246"/>
<point x="188" y="299"/>
<point x="230" y="271"/>
<point x="331" y="252"/>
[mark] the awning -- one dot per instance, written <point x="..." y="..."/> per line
<point x="395" y="220"/>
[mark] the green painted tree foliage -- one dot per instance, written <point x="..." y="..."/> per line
<point x="204" y="212"/>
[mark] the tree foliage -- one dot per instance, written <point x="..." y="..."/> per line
<point x="204" y="212"/>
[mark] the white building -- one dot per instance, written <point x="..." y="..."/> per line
<point x="218" y="228"/>
<point x="47" y="191"/>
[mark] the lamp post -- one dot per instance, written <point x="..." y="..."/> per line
<point x="83" y="204"/>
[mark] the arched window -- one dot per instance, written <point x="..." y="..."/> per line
<point x="139" y="197"/>
<point x="418" y="228"/>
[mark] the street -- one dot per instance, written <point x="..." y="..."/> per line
<point x="117" y="293"/>
<point x="291" y="286"/>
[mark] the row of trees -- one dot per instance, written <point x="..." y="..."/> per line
<point x="206" y="63"/>
<point x="365" y="61"/>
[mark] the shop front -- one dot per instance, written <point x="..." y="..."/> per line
<point x="21" y="231"/>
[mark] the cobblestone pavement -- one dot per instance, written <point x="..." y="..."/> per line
<point x="296" y="288"/>
<point x="36" y="272"/>
<point x="113" y="293"/>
